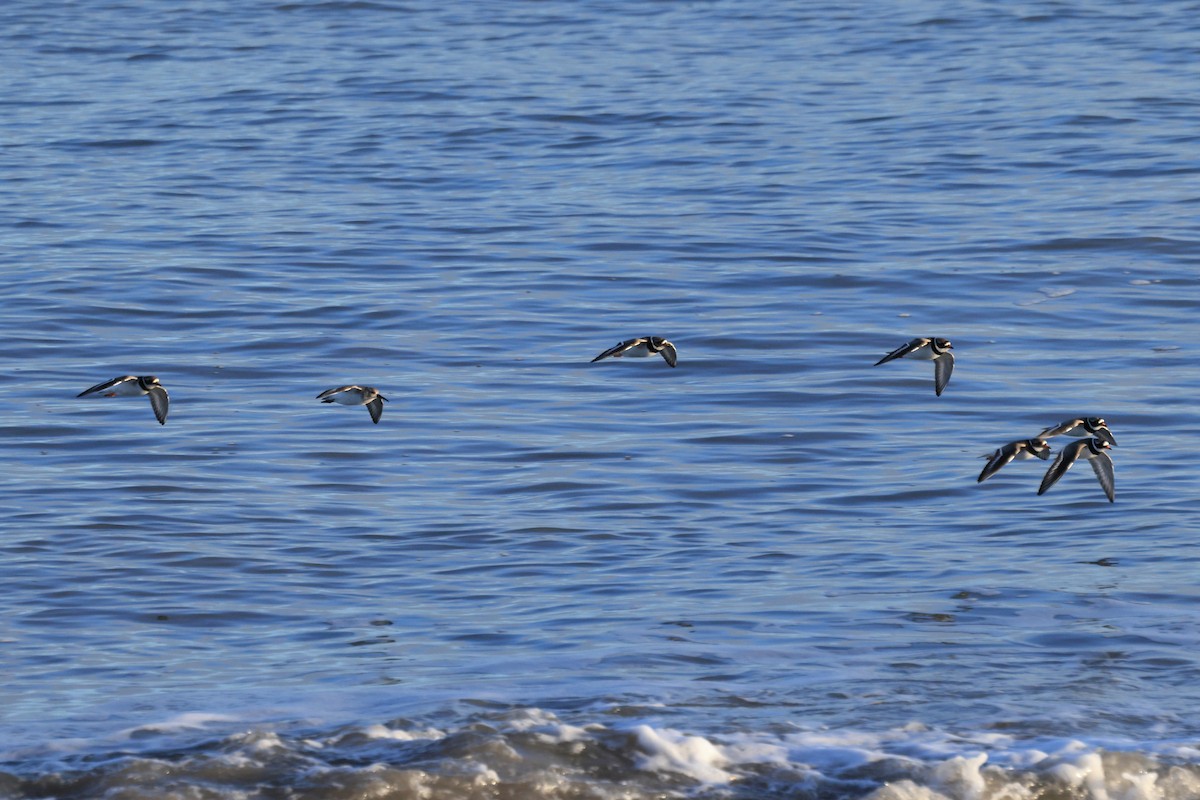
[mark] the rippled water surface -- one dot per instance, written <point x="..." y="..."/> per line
<point x="768" y="572"/>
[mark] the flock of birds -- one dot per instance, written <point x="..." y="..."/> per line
<point x="1097" y="438"/>
<point x="160" y="401"/>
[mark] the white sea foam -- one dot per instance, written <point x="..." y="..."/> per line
<point x="400" y="735"/>
<point x="906" y="790"/>
<point x="550" y="728"/>
<point x="533" y="753"/>
<point x="665" y="750"/>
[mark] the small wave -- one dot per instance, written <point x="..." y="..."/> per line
<point x="532" y="753"/>
<point x="1137" y="244"/>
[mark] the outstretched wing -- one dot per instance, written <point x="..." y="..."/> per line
<point x="1059" y="430"/>
<point x="620" y="348"/>
<point x="160" y="402"/>
<point x="903" y="350"/>
<point x="943" y="365"/>
<point x="100" y="387"/>
<point x="1103" y="467"/>
<point x="376" y="409"/>
<point x="331" y="392"/>
<point x="1066" y="457"/>
<point x="997" y="460"/>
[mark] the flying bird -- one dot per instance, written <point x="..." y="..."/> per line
<point x="641" y="347"/>
<point x="1093" y="451"/>
<point x="1014" y="451"/>
<point x="927" y="348"/>
<point x="367" y="396"/>
<point x="134" y="386"/>
<point x="1081" y="426"/>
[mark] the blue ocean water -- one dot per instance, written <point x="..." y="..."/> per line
<point x="768" y="572"/>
